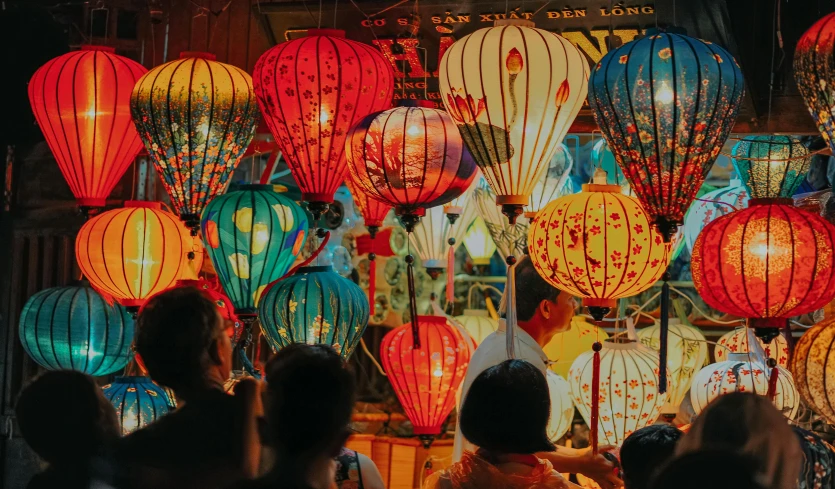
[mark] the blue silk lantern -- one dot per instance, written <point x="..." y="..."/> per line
<point x="74" y="328"/>
<point x="138" y="402"/>
<point x="315" y="305"/>
<point x="666" y="104"/>
<point x="252" y="235"/>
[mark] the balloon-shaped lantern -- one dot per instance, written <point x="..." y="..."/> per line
<point x="711" y="206"/>
<point x="426" y="373"/>
<point x="224" y="306"/>
<point x="552" y="182"/>
<point x="813" y="371"/>
<point x="138" y="402"/>
<point x="315" y="305"/>
<point x="311" y="91"/>
<point x="132" y="253"/>
<point x="74" y="328"/>
<point x="252" y="235"/>
<point x="666" y="104"/>
<point x="479" y="242"/>
<point x="196" y="117"/>
<point x="771" y="166"/>
<point x="81" y="101"/>
<point x="736" y="341"/>
<point x="514" y="91"/>
<point x="814" y="73"/>
<point x="510" y="239"/>
<point x="769" y="262"/>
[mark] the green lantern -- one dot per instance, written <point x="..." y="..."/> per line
<point x="252" y="235"/>
<point x="771" y="166"/>
<point x="315" y="305"/>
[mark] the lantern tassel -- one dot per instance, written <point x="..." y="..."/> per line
<point x="372" y="286"/>
<point x="450" y="277"/>
<point x="410" y="276"/>
<point x="665" y="321"/>
<point x="772" y="380"/>
<point x="595" y="394"/>
<point x="510" y="308"/>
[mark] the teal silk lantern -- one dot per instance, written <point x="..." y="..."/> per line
<point x="315" y="305"/>
<point x="252" y="235"/>
<point x="138" y="402"/>
<point x="771" y="166"/>
<point x="74" y="328"/>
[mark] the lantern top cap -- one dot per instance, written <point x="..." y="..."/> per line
<point x="476" y="312"/>
<point x="142" y="204"/>
<point x="131" y="379"/>
<point x="90" y="47"/>
<point x="771" y="201"/>
<point x="326" y="32"/>
<point x="627" y="345"/>
<point x="314" y="269"/>
<point x="739" y="357"/>
<point x="257" y="186"/>
<point x="429" y="319"/>
<point x="416" y="103"/>
<point x="596" y="187"/>
<point x="197" y="54"/>
<point x="516" y="22"/>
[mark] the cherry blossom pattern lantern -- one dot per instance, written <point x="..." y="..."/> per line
<point x="813" y="371"/>
<point x="666" y="104"/>
<point x="311" y="90"/>
<point x="771" y="166"/>
<point x="81" y="101"/>
<point x="373" y="214"/>
<point x="769" y="262"/>
<point x="196" y="117"/>
<point x="514" y="91"/>
<point x="814" y="73"/>
<point x="426" y="375"/>
<point x="232" y="324"/>
<point x="479" y="243"/>
<point x="138" y="402"/>
<point x="741" y="373"/>
<point x="253" y="235"/>
<point x="134" y="252"/>
<point x="566" y="346"/>
<point x="510" y="239"/>
<point x="713" y="205"/>
<point x="628" y="397"/>
<point x="551" y="184"/>
<point x="686" y="355"/>
<point x="736" y="341"/>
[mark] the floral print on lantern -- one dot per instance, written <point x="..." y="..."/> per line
<point x="814" y="73"/>
<point x="771" y="166"/>
<point x="736" y="341"/>
<point x="813" y="367"/>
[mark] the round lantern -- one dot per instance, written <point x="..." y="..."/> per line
<point x="666" y="104"/>
<point x="736" y="341"/>
<point x="479" y="243"/>
<point x="134" y="252"/>
<point x="768" y="262"/>
<point x="196" y="117"/>
<point x="74" y="328"/>
<point x="814" y="73"/>
<point x="513" y="91"/>
<point x="315" y="305"/>
<point x="224" y="306"/>
<point x="311" y="91"/>
<point x="435" y="239"/>
<point x="426" y="378"/>
<point x="713" y="205"/>
<point x="629" y="398"/>
<point x="138" y="402"/>
<point x="771" y="166"/>
<point x="562" y="409"/>
<point x="565" y="347"/>
<point x="477" y="323"/>
<point x="552" y="182"/>
<point x="510" y="239"/>
<point x="598" y="245"/>
<point x="813" y="371"/>
<point x="686" y="355"/>
<point x="81" y="102"/>
<point x="410" y="157"/>
<point x="739" y="373"/>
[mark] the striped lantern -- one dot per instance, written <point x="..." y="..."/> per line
<point x="813" y="372"/>
<point x="138" y="402"/>
<point x="736" y="341"/>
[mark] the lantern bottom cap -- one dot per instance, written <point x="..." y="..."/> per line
<point x="427" y="430"/>
<point x="91" y="202"/>
<point x="512" y="199"/>
<point x="598" y="302"/>
<point x="317" y="197"/>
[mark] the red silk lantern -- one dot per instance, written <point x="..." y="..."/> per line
<point x="426" y="378"/>
<point x="311" y="90"/>
<point x="81" y="101"/>
<point x="815" y="75"/>
<point x="224" y="305"/>
<point x="769" y="262"/>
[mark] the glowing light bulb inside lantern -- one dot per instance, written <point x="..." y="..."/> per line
<point x="323" y="115"/>
<point x="204" y="129"/>
<point x="438" y="372"/>
<point x="413" y="130"/>
<point x="664" y="94"/>
<point x="260" y="237"/>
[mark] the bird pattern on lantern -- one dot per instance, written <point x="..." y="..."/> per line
<point x="666" y="104"/>
<point x="814" y="73"/>
<point x="252" y="236"/>
<point x="771" y="166"/>
<point x="311" y="91"/>
<point x="81" y="103"/>
<point x="74" y="328"/>
<point x="711" y="206"/>
<point x="514" y="91"/>
<point x="813" y="372"/>
<point x="138" y="402"/>
<point x="736" y="341"/>
<point x="196" y="117"/>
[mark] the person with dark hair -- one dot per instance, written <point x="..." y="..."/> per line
<point x="505" y="413"/>
<point x="68" y="423"/>
<point x="210" y="440"/>
<point x="714" y="469"/>
<point x="541" y="312"/>
<point x="645" y="451"/>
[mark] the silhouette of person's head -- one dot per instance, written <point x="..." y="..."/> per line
<point x="65" y="418"/>
<point x="181" y="340"/>
<point x="507" y="408"/>
<point x="645" y="451"/>
<point x="716" y="469"/>
<point x="308" y="403"/>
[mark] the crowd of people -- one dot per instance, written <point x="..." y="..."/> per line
<point x="290" y="432"/>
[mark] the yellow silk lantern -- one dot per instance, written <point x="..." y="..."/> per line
<point x="479" y="243"/>
<point x="813" y="371"/>
<point x="565" y="347"/>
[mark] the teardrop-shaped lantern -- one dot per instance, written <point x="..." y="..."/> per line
<point x="771" y="166"/>
<point x="514" y="91"/>
<point x="315" y="305"/>
<point x="712" y="206"/>
<point x="552" y="182"/>
<point x="196" y="116"/>
<point x="138" y="402"/>
<point x="74" y="328"/>
<point x="510" y="239"/>
<point x="814" y="73"/>
<point x="252" y="235"/>
<point x="479" y="242"/>
<point x="666" y="104"/>
<point x="81" y="101"/>
<point x="311" y="91"/>
<point x="736" y="341"/>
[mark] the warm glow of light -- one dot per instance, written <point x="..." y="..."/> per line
<point x="413" y="130"/>
<point x="664" y="95"/>
<point x="323" y="115"/>
<point x="479" y="243"/>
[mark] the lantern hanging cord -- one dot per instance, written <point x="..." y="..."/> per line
<point x="310" y="258"/>
<point x="540" y="8"/>
<point x="717" y="202"/>
<point x="368" y="17"/>
<point x="304" y="3"/>
<point x="700" y="311"/>
<point x="319" y="25"/>
<point x="373" y="360"/>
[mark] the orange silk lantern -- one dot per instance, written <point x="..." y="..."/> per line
<point x="81" y="101"/>
<point x="426" y="376"/>
<point x="311" y="90"/>
<point x="132" y="253"/>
